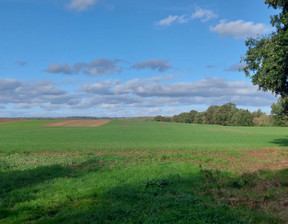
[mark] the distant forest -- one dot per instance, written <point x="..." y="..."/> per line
<point x="229" y="115"/>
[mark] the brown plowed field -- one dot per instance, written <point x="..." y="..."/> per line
<point x="79" y="123"/>
<point x="3" y="121"/>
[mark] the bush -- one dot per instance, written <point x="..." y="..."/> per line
<point x="263" y="120"/>
<point x="161" y="118"/>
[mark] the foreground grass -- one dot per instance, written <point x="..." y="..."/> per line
<point x="142" y="172"/>
<point x="136" y="188"/>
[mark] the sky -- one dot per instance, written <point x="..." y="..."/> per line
<point x="122" y="58"/>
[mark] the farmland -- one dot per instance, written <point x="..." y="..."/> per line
<point x="142" y="172"/>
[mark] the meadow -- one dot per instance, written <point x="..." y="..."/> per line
<point x="142" y="172"/>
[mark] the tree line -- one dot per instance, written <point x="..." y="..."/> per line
<point x="229" y="115"/>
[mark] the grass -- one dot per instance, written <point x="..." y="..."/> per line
<point x="142" y="172"/>
<point x="32" y="136"/>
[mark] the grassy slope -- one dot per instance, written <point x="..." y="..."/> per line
<point x="73" y="185"/>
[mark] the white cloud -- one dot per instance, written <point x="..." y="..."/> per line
<point x="202" y="14"/>
<point x="210" y="87"/>
<point x="167" y="21"/>
<point x="25" y="93"/>
<point x="239" y="29"/>
<point x="113" y="96"/>
<point x="81" y="5"/>
<point x="101" y="88"/>
<point x="152" y="92"/>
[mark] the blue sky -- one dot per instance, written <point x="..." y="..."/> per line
<point x="127" y="57"/>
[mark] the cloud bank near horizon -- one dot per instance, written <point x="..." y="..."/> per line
<point x="136" y="93"/>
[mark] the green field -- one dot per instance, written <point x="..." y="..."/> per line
<point x="142" y="172"/>
<point x="118" y="135"/>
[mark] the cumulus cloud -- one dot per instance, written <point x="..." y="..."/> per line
<point x="154" y="64"/>
<point x="81" y="5"/>
<point x="8" y="84"/>
<point x="101" y="88"/>
<point x="236" y="67"/>
<point x="210" y="87"/>
<point x="153" y="92"/>
<point x="96" y="67"/>
<point x="173" y="19"/>
<point x="202" y="14"/>
<point x="239" y="29"/>
<point x="115" y="96"/>
<point x="167" y="21"/>
<point x="24" y="94"/>
<point x="112" y="101"/>
<point x="60" y="68"/>
<point x="100" y="67"/>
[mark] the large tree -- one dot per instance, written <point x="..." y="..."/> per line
<point x="224" y="113"/>
<point x="267" y="56"/>
<point x="241" y="118"/>
<point x="209" y="117"/>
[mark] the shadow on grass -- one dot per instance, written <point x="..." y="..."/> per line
<point x="14" y="180"/>
<point x="18" y="186"/>
<point x="21" y="179"/>
<point x="170" y="199"/>
<point x="281" y="142"/>
<point x="166" y="200"/>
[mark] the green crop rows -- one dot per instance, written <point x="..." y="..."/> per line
<point x="32" y="136"/>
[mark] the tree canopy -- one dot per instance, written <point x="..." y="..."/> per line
<point x="278" y="112"/>
<point x="227" y="114"/>
<point x="267" y="56"/>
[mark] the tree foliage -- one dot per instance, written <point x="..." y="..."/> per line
<point x="242" y="118"/>
<point x="209" y="117"/>
<point x="279" y="115"/>
<point x="227" y="115"/>
<point x="162" y="118"/>
<point x="224" y="113"/>
<point x="267" y="56"/>
<point x="263" y="120"/>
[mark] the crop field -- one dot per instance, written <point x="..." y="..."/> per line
<point x="127" y="171"/>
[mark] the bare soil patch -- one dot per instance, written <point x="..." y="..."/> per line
<point x="79" y="123"/>
<point x="265" y="159"/>
<point x="248" y="160"/>
<point x="4" y="121"/>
